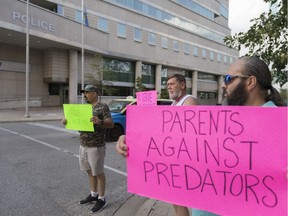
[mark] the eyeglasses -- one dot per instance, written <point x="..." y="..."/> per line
<point x="229" y="78"/>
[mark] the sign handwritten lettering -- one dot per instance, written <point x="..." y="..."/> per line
<point x="226" y="160"/>
<point x="146" y="98"/>
<point x="78" y="116"/>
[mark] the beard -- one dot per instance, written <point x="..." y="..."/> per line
<point x="175" y="95"/>
<point x="239" y="96"/>
<point x="86" y="100"/>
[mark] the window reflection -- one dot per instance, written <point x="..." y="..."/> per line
<point x="156" y="13"/>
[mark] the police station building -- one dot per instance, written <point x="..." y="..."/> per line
<point x="117" y="41"/>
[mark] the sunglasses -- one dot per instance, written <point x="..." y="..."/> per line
<point x="229" y="78"/>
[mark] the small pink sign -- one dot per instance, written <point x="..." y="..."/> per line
<point x="225" y="160"/>
<point x="146" y="98"/>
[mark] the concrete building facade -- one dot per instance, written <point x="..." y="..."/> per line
<point x="118" y="42"/>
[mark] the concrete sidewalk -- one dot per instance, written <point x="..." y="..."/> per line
<point x="141" y="206"/>
<point x="134" y="206"/>
<point x="35" y="114"/>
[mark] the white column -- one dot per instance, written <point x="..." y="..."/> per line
<point x="138" y="70"/>
<point x="220" y="89"/>
<point x="158" y="79"/>
<point x="194" y="83"/>
<point x="73" y="76"/>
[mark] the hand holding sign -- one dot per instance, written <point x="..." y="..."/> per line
<point x="121" y="146"/>
<point x="210" y="153"/>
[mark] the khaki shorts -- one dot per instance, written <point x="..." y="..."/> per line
<point x="92" y="158"/>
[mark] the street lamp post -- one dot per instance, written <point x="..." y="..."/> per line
<point x="27" y="115"/>
<point x="82" y="52"/>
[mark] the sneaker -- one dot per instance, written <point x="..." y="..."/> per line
<point x="89" y="199"/>
<point x="100" y="204"/>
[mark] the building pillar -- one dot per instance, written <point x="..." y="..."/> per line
<point x="158" y="83"/>
<point x="138" y="70"/>
<point x="220" y="89"/>
<point x="194" y="83"/>
<point x="73" y="76"/>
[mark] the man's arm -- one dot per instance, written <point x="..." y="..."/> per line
<point x="108" y="123"/>
<point x="190" y="101"/>
<point x="106" y="119"/>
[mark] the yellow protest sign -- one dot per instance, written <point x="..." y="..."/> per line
<point x="78" y="117"/>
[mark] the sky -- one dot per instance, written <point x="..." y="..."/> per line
<point x="241" y="12"/>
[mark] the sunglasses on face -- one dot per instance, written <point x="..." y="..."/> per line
<point x="229" y="78"/>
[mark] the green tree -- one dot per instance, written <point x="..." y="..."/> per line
<point x="284" y="94"/>
<point x="139" y="85"/>
<point x="267" y="38"/>
<point x="164" y="94"/>
<point x="101" y="77"/>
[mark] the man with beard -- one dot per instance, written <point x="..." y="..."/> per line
<point x="176" y="85"/>
<point x="92" y="149"/>
<point x="249" y="82"/>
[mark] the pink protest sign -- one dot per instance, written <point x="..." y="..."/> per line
<point x="226" y="160"/>
<point x="146" y="98"/>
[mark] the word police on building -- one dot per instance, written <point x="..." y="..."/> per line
<point x="33" y="21"/>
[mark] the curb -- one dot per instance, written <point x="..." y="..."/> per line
<point x="147" y="208"/>
<point x="29" y="120"/>
<point x="132" y="207"/>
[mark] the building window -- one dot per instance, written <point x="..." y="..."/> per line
<point x="187" y="74"/>
<point x="207" y="95"/>
<point x="148" y="9"/>
<point x="54" y="89"/>
<point x="219" y="57"/>
<point x="151" y="39"/>
<point x="204" y="53"/>
<point x="206" y="76"/>
<point x="79" y="17"/>
<point x="195" y="51"/>
<point x="118" y="70"/>
<point x="211" y="55"/>
<point x="231" y="60"/>
<point x="186" y="48"/>
<point x="164" y="42"/>
<point x="142" y="7"/>
<point x="103" y="24"/>
<point x="121" y="30"/>
<point x="224" y="11"/>
<point x="138" y="34"/>
<point x="197" y="8"/>
<point x="225" y="59"/>
<point x="152" y="11"/>
<point x="117" y="91"/>
<point x="60" y="10"/>
<point x="148" y="74"/>
<point x="164" y="74"/>
<point x="176" y="46"/>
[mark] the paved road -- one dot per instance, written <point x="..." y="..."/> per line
<point x="40" y="173"/>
